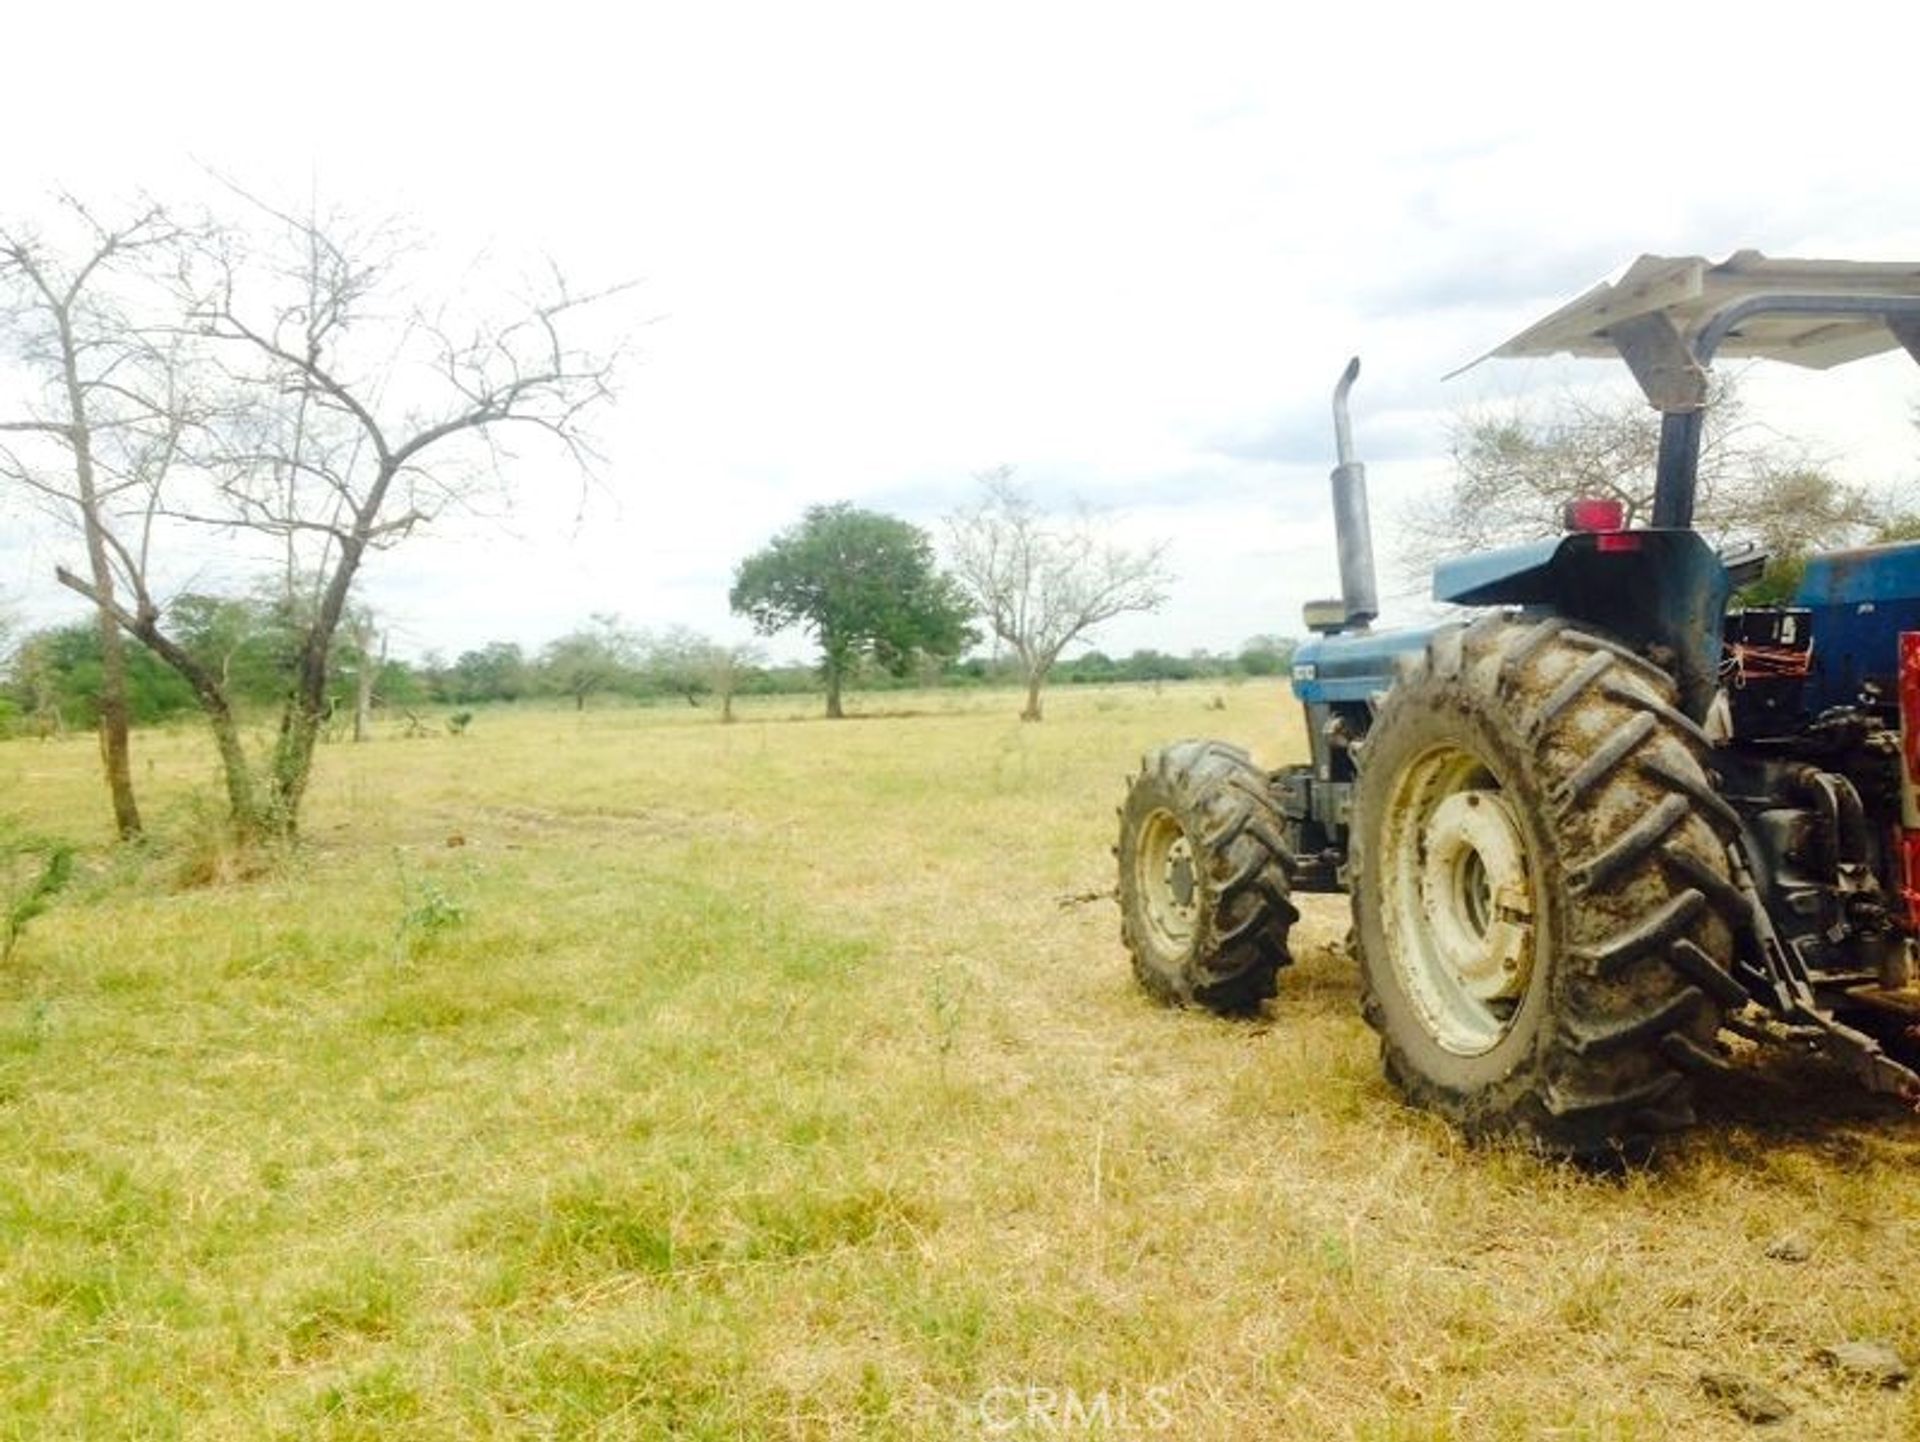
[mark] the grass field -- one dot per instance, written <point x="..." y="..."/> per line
<point x="627" y="1075"/>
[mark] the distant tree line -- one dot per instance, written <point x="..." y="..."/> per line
<point x="50" y="681"/>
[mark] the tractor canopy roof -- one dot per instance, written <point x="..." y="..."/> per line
<point x="1667" y="317"/>
<point x="1815" y="313"/>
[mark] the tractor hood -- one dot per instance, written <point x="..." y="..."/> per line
<point x="1691" y="291"/>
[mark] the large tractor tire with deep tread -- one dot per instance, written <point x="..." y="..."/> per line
<point x="1541" y="889"/>
<point x="1204" y="871"/>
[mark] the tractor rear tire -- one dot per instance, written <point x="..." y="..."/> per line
<point x="1204" y="908"/>
<point x="1541" y="888"/>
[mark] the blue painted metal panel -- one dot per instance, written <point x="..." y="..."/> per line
<point x="1861" y="600"/>
<point x="1513" y="575"/>
<point x="1352" y="667"/>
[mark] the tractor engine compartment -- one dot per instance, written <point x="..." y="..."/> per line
<point x="1814" y="762"/>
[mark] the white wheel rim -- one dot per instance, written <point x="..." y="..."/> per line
<point x="1457" y="900"/>
<point x="1167" y="881"/>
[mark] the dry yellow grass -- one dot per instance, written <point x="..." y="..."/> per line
<point x="624" y="1074"/>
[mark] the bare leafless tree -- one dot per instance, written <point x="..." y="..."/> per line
<point x="311" y="400"/>
<point x="1043" y="584"/>
<point x="1516" y="466"/>
<point x="101" y="421"/>
<point x="726" y="667"/>
<point x="368" y="414"/>
<point x="367" y="667"/>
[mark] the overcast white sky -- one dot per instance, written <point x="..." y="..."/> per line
<point x="1124" y="249"/>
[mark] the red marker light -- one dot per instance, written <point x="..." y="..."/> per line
<point x="1594" y="515"/>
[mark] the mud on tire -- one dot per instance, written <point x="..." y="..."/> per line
<point x="1204" y="907"/>
<point x="1541" y="889"/>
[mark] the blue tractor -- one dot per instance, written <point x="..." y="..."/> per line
<point x="1600" y="823"/>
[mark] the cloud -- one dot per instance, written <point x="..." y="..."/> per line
<point x="1488" y="276"/>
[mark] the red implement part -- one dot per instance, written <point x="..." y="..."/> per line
<point x="1911" y="844"/>
<point x="1910" y="750"/>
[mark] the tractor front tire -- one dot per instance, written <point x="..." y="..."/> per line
<point x="1204" y="907"/>
<point x="1541" y="890"/>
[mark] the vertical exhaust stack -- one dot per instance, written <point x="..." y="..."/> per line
<point x="1352" y="529"/>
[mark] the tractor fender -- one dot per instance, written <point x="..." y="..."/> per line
<point x="1662" y="593"/>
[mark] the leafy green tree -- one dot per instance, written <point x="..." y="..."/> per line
<point x="33" y="688"/>
<point x="678" y="662"/>
<point x="599" y="657"/>
<point x="10" y="708"/>
<point x="60" y="676"/>
<point x="862" y="584"/>
<point x="1093" y="667"/>
<point x="248" y="642"/>
<point x="397" y="683"/>
<point x="1266" y="655"/>
<point x="1151" y="665"/>
<point x="498" y="671"/>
